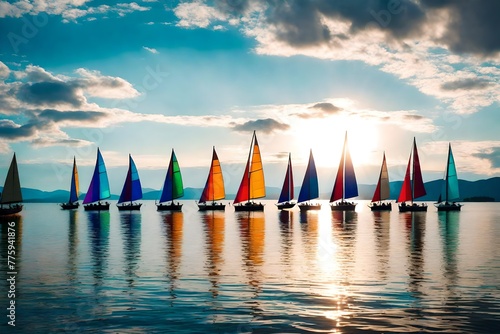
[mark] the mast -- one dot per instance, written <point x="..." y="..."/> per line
<point x="252" y="145"/>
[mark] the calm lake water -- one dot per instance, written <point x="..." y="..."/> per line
<point x="271" y="272"/>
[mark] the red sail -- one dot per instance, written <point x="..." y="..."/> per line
<point x="418" y="183"/>
<point x="405" y="194"/>
<point x="338" y="187"/>
<point x="244" y="190"/>
<point x="376" y="194"/>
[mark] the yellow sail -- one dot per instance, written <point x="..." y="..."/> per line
<point x="257" y="183"/>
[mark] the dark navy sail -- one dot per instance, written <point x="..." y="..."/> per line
<point x="132" y="189"/>
<point x="309" y="189"/>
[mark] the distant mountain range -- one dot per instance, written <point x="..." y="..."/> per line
<point x="482" y="188"/>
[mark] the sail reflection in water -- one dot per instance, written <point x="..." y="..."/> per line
<point x="172" y="229"/>
<point x="272" y="272"/>
<point x="213" y="223"/>
<point x="130" y="223"/>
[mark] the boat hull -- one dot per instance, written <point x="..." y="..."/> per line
<point x="97" y="207"/>
<point x="413" y="208"/>
<point x="343" y="206"/>
<point x="250" y="206"/>
<point x="307" y="207"/>
<point x="168" y="207"/>
<point x="381" y="207"/>
<point x="211" y="207"/>
<point x="285" y="205"/>
<point x="11" y="210"/>
<point x="70" y="206"/>
<point x="448" y="207"/>
<point x="129" y="207"/>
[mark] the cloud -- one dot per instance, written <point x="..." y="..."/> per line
<point x="492" y="155"/>
<point x="266" y="125"/>
<point x="10" y="130"/>
<point x="50" y="94"/>
<point x="152" y="50"/>
<point x="471" y="27"/>
<point x="95" y="84"/>
<point x="4" y="71"/>
<point x="466" y="84"/>
<point x="425" y="43"/>
<point x="69" y="10"/>
<point x="320" y="110"/>
<point x="197" y="14"/>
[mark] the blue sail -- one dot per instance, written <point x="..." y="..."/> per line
<point x="132" y="189"/>
<point x="351" y="186"/>
<point x="287" y="189"/>
<point x="99" y="186"/>
<point x="309" y="189"/>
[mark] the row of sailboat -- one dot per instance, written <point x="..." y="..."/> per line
<point x="252" y="187"/>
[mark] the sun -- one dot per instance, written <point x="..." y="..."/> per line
<point x="325" y="137"/>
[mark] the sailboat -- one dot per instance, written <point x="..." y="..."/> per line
<point x="11" y="193"/>
<point x="99" y="187"/>
<point x="382" y="191"/>
<point x="252" y="184"/>
<point x="132" y="190"/>
<point x="413" y="187"/>
<point x="309" y="189"/>
<point x="450" y="186"/>
<point x="214" y="187"/>
<point x="73" y="190"/>
<point x="286" y="196"/>
<point x="345" y="183"/>
<point x="172" y="187"/>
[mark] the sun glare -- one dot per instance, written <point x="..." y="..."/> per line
<point x="326" y="138"/>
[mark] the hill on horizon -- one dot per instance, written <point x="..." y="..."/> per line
<point x="481" y="188"/>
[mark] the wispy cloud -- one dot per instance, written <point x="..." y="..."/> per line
<point x="152" y="50"/>
<point x="69" y="10"/>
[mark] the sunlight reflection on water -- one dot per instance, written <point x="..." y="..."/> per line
<point x="228" y="272"/>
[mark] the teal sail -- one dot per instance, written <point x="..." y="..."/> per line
<point x="450" y="186"/>
<point x="99" y="186"/>
<point x="309" y="189"/>
<point x="132" y="189"/>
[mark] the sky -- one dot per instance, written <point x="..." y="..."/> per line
<point x="146" y="77"/>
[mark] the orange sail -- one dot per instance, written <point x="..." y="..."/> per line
<point x="252" y="184"/>
<point x="214" y="188"/>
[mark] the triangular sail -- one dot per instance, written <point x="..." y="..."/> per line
<point x="418" y="183"/>
<point x="287" y="189"/>
<point x="350" y="186"/>
<point x="405" y="193"/>
<point x="382" y="191"/>
<point x="99" y="186"/>
<point x="75" y="187"/>
<point x="12" y="187"/>
<point x="214" y="187"/>
<point x="252" y="184"/>
<point x="345" y="182"/>
<point x="132" y="189"/>
<point x="172" y="187"/>
<point x="257" y="183"/>
<point x="451" y="192"/>
<point x="309" y="189"/>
